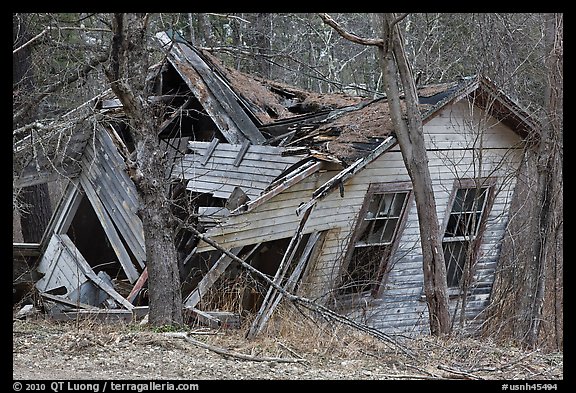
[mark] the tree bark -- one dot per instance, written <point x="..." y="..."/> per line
<point x="526" y="300"/>
<point x="36" y="199"/>
<point x="410" y="137"/>
<point x="549" y="186"/>
<point x="129" y="62"/>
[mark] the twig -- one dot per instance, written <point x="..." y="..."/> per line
<point x="305" y="302"/>
<point x="423" y="371"/>
<point x="501" y="368"/>
<point x="458" y="372"/>
<point x="407" y="376"/>
<point x="225" y="352"/>
<point x="290" y="350"/>
<point x="31" y="40"/>
<point x="349" y="36"/>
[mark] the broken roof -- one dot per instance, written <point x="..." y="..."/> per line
<point x="345" y="127"/>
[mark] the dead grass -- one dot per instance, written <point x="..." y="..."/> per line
<point x="332" y="350"/>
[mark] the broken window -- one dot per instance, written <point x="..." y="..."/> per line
<point x="380" y="220"/>
<point x="462" y="228"/>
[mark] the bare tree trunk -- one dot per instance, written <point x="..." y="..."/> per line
<point x="410" y="137"/>
<point x="549" y="186"/>
<point x="527" y="297"/>
<point x="36" y="199"/>
<point x="261" y="43"/>
<point x="129" y="62"/>
<point x="205" y="30"/>
<point x="411" y="140"/>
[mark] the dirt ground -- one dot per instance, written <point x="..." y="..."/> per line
<point x="95" y="351"/>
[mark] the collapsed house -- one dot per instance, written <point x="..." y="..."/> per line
<point x="310" y="189"/>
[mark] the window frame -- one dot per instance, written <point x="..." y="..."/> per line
<point x="382" y="270"/>
<point x="468" y="183"/>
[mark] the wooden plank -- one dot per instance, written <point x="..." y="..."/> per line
<point x="108" y="226"/>
<point x="217" y="98"/>
<point x="288" y="181"/>
<point x="241" y="153"/>
<point x="107" y="153"/>
<point x="209" y="279"/>
<point x="65" y="211"/>
<point x="231" y="149"/>
<point x="26" y="249"/>
<point x="138" y="286"/>
<point x="268" y="303"/>
<point x="59" y="268"/>
<point x="252" y="158"/>
<point x="119" y="195"/>
<point x="224" y="94"/>
<point x="102" y="315"/>
<point x="251" y="179"/>
<point x="270" y="166"/>
<point x="127" y="222"/>
<point x="209" y="151"/>
<point x="294" y="277"/>
<point x="67" y="302"/>
<point x="341" y="177"/>
<point x="213" y="274"/>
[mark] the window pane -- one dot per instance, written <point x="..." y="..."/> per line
<point x="397" y="204"/>
<point x="376" y="233"/>
<point x="373" y="206"/>
<point x="459" y="200"/>
<point x="455" y="257"/>
<point x="382" y="231"/>
<point x="362" y="271"/>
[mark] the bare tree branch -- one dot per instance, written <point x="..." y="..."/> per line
<point x="225" y="352"/>
<point x="82" y="73"/>
<point x="349" y="36"/>
<point x="305" y="302"/>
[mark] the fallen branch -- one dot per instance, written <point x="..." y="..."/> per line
<point x="290" y="350"/>
<point x="305" y="302"/>
<point x="407" y="376"/>
<point x="459" y="372"/>
<point x="225" y="352"/>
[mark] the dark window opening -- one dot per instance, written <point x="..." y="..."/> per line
<point x="240" y="290"/>
<point x="462" y="228"/>
<point x="89" y="237"/>
<point x="376" y="236"/>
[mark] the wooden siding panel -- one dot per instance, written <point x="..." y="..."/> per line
<point x="401" y="307"/>
<point x="221" y="169"/>
<point x="104" y="168"/>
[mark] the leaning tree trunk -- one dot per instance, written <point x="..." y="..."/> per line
<point x="410" y="136"/>
<point x="35" y="199"/>
<point x="527" y="297"/>
<point x="127" y="73"/>
<point x="411" y="140"/>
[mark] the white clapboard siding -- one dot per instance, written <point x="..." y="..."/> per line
<point x="404" y="283"/>
<point x="401" y="307"/>
<point x="455" y="127"/>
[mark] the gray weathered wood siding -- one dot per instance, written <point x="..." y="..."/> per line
<point x="401" y="307"/>
<point x="104" y="171"/>
<point x="217" y="173"/>
<point x="58" y="264"/>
